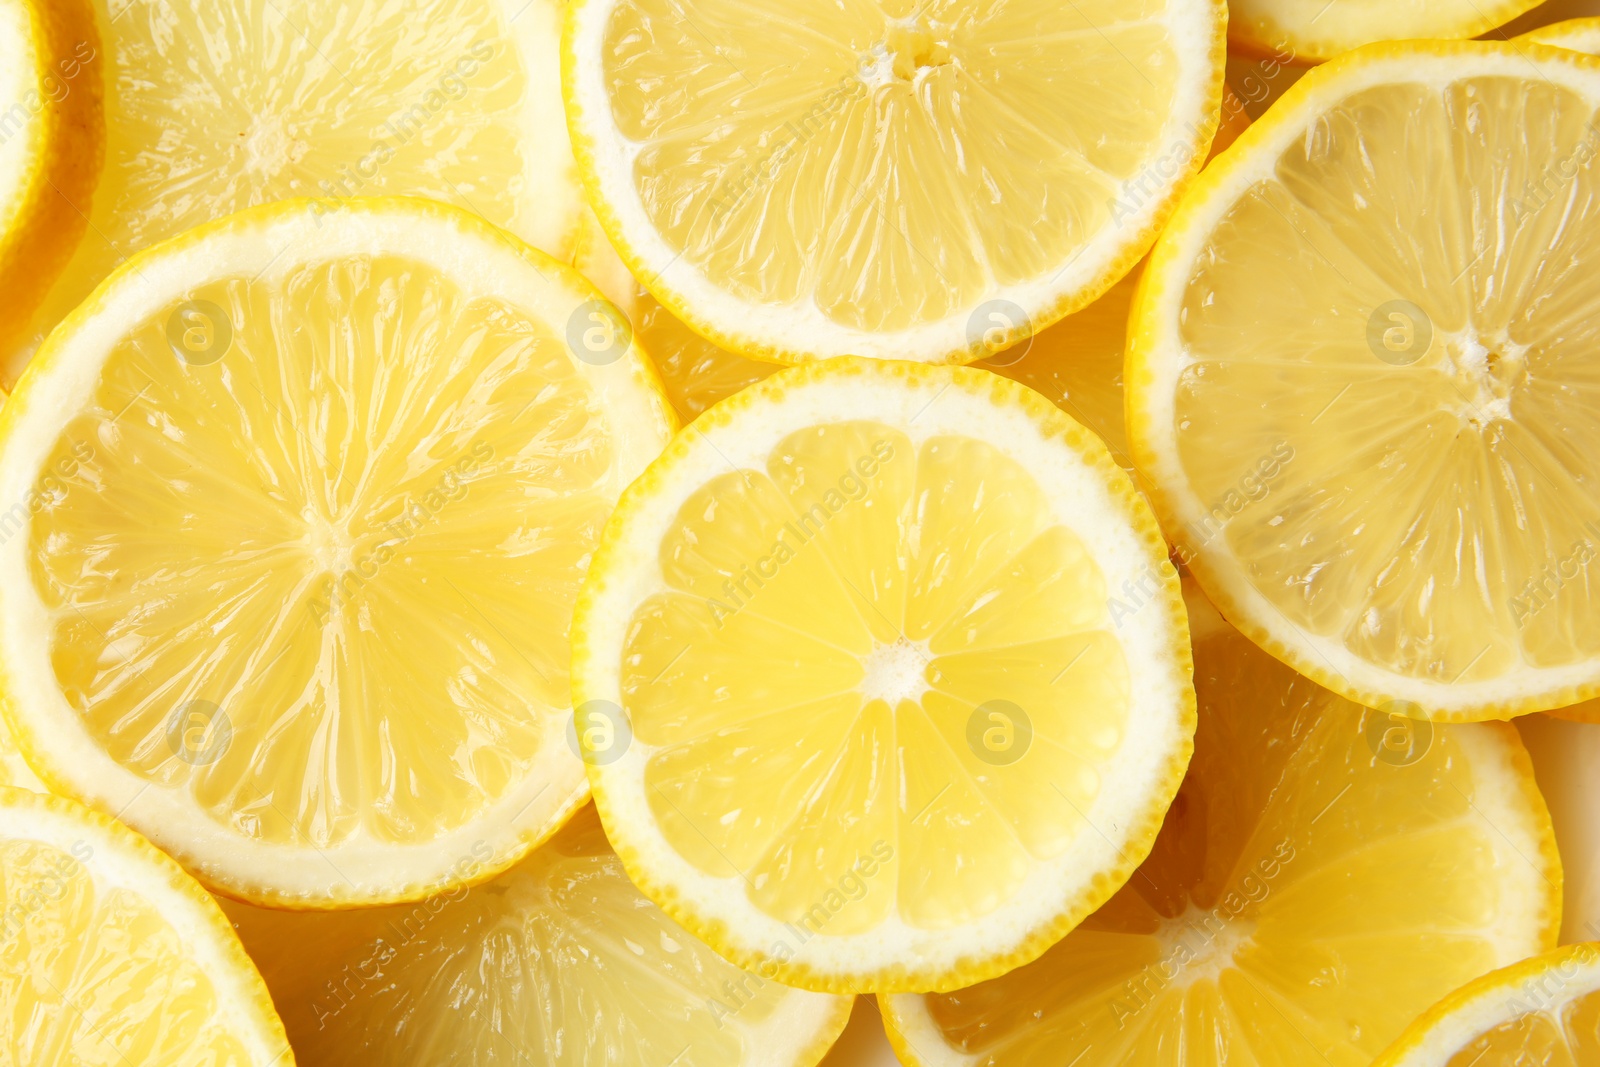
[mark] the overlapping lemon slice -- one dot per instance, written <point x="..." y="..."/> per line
<point x="891" y="180"/>
<point x="219" y="106"/>
<point x="883" y="676"/>
<point x="304" y="500"/>
<point x="1544" y="1011"/>
<point x="1363" y="385"/>
<point x="111" y="955"/>
<point x="52" y="132"/>
<point x="1325" y="873"/>
<point x="558" y="961"/>
<point x="1310" y="31"/>
<point x="1579" y="35"/>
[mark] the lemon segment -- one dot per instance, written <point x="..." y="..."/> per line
<point x="1377" y="461"/>
<point x="219" y="107"/>
<point x="1311" y="31"/>
<point x="559" y="960"/>
<point x="1544" y="1010"/>
<point x="847" y="179"/>
<point x="901" y="667"/>
<point x="113" y="955"/>
<point x="307" y="499"/>
<point x="1325" y="873"/>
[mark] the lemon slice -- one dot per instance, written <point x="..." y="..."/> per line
<point x="221" y="106"/>
<point x="800" y="181"/>
<point x="1361" y="383"/>
<point x="1544" y="1010"/>
<point x="1311" y="31"/>
<point x="51" y="134"/>
<point x="1325" y="873"/>
<point x="1578" y="35"/>
<point x="307" y="498"/>
<point x="884" y="675"/>
<point x="113" y="956"/>
<point x="558" y="961"/>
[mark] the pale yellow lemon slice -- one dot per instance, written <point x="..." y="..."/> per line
<point x="884" y="676"/>
<point x="112" y="956"/>
<point x="1325" y="873"/>
<point x="891" y="180"/>
<point x="305" y="498"/>
<point x="1311" y="31"/>
<point x="1579" y="35"/>
<point x="1361" y="382"/>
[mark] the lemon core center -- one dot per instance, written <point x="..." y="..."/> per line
<point x="909" y="50"/>
<point x="1486" y="370"/>
<point x="1200" y="945"/>
<point x="896" y="671"/>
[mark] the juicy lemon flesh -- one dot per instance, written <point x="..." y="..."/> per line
<point x="1566" y="1036"/>
<point x="560" y="960"/>
<point x="695" y="372"/>
<point x="97" y="977"/>
<point x="1432" y="510"/>
<point x="299" y="582"/>
<point x="875" y="167"/>
<point x="852" y="639"/>
<point x="1303" y="900"/>
<point x="220" y="107"/>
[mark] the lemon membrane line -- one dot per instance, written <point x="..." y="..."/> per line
<point x="766" y="332"/>
<point x="142" y="288"/>
<point x="1156" y="356"/>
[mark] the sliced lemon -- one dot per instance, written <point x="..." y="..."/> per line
<point x="1311" y="31"/>
<point x="225" y="105"/>
<point x="306" y="499"/>
<point x="1362" y="387"/>
<point x="885" y="676"/>
<point x="798" y="181"/>
<point x="1325" y="873"/>
<point x="113" y="956"/>
<point x="558" y="961"/>
<point x="52" y="132"/>
<point x="1578" y="35"/>
<point x="1544" y="1010"/>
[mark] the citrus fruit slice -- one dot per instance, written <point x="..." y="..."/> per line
<point x="801" y="181"/>
<point x="884" y="676"/>
<point x="221" y="106"/>
<point x="1544" y="1011"/>
<point x="1577" y="35"/>
<point x="1379" y="462"/>
<point x="1311" y="31"/>
<point x="113" y="956"/>
<point x="1325" y="873"/>
<point x="52" y="131"/>
<point x="558" y="961"/>
<point x="306" y="500"/>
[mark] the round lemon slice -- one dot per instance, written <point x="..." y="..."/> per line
<point x="219" y="106"/>
<point x="1361" y="383"/>
<point x="883" y="676"/>
<point x="113" y="956"/>
<point x="305" y="499"/>
<point x="51" y="135"/>
<point x="800" y="181"/>
<point x="1578" y="35"/>
<point x="1544" y="1010"/>
<point x="1325" y="873"/>
<point x="1311" y="31"/>
<point x="558" y="961"/>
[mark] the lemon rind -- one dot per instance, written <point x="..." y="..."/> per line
<point x="1154" y="354"/>
<point x="772" y="337"/>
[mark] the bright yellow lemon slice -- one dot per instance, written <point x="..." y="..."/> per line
<point x="1579" y="35"/>
<point x="1325" y="873"/>
<point x="305" y="499"/>
<point x="1311" y="31"/>
<point x="884" y="676"/>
